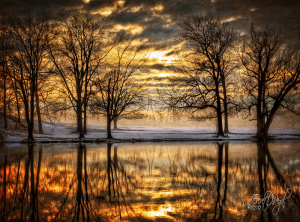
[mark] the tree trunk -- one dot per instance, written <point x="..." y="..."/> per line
<point x="115" y="122"/>
<point x="226" y="130"/>
<point x="109" y="109"/>
<point x="9" y="107"/>
<point x="27" y="115"/>
<point x="4" y="99"/>
<point x="265" y="132"/>
<point x="108" y="128"/>
<point x="219" y="112"/>
<point x="79" y="110"/>
<point x="31" y="119"/>
<point x="84" y="119"/>
<point x="258" y="111"/>
<point x="17" y="100"/>
<point x="267" y="125"/>
<point x="38" y="109"/>
<point x="259" y="123"/>
<point x="85" y="101"/>
<point x="79" y="120"/>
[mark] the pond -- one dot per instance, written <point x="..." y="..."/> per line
<point x="189" y="181"/>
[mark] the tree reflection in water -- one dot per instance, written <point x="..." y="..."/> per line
<point x="200" y="182"/>
<point x="264" y="160"/>
<point x="20" y="201"/>
<point x="118" y="184"/>
<point x="98" y="189"/>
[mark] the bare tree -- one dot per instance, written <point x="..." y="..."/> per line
<point x="118" y="90"/>
<point x="201" y="84"/>
<point x="77" y="55"/>
<point x="4" y="63"/>
<point x="271" y="76"/>
<point x="28" y="36"/>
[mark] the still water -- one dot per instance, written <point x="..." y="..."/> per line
<point x="150" y="182"/>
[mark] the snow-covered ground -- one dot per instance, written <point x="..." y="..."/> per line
<point x="53" y="132"/>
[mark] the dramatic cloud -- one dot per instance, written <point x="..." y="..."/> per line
<point x="156" y="21"/>
<point x="159" y="17"/>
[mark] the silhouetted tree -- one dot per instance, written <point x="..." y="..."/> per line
<point x="202" y="73"/>
<point x="118" y="90"/>
<point x="77" y="54"/>
<point x="4" y="47"/>
<point x="271" y="76"/>
<point x="28" y="35"/>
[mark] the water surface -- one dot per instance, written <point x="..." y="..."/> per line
<point x="150" y="182"/>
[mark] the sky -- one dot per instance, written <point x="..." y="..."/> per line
<point x="156" y="21"/>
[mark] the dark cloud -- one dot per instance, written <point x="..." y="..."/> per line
<point x="180" y="9"/>
<point x="160" y="25"/>
<point x="157" y="79"/>
<point x="125" y="17"/>
<point x="284" y="14"/>
<point x="130" y="3"/>
<point x="159" y="67"/>
<point x="15" y="6"/>
<point x="163" y="43"/>
<point x="94" y="5"/>
<point x="173" y="52"/>
<point x="157" y="85"/>
<point x="177" y="8"/>
<point x="158" y="32"/>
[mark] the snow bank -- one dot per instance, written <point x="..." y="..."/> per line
<point x="67" y="132"/>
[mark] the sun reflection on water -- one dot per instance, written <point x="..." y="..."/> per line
<point x="124" y="182"/>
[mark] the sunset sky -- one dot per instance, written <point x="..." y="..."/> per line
<point x="155" y="22"/>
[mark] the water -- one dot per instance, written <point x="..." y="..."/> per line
<point x="150" y="182"/>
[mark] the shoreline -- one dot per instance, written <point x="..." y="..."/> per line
<point x="137" y="140"/>
<point x="66" y="133"/>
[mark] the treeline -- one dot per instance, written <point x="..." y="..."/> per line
<point x="75" y="62"/>
<point x="70" y="63"/>
<point x="223" y="74"/>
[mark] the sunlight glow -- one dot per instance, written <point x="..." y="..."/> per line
<point x="231" y="19"/>
<point x="120" y="2"/>
<point x="135" y="9"/>
<point x="133" y="29"/>
<point x="106" y="11"/>
<point x="160" y="55"/>
<point x="162" y="212"/>
<point x="163" y="74"/>
<point x="158" y="8"/>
